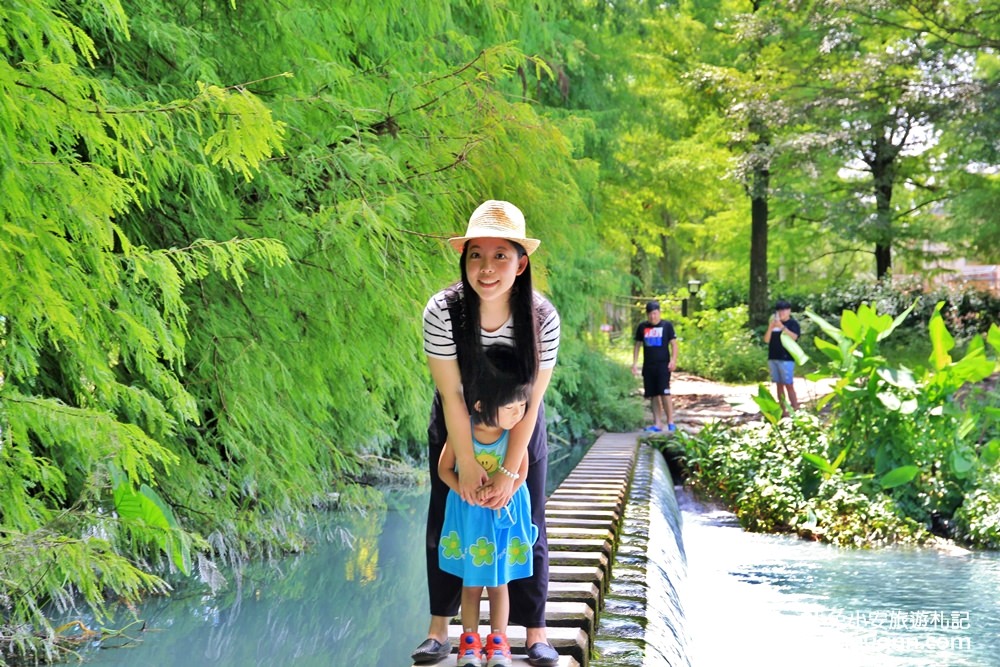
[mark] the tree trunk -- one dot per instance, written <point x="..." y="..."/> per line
<point x="759" y="191"/>
<point x="883" y="166"/>
<point x="758" y="305"/>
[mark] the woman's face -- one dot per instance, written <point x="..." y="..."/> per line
<point x="492" y="265"/>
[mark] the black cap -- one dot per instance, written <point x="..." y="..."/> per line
<point x="782" y="304"/>
<point x="652" y="305"/>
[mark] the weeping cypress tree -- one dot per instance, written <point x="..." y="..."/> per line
<point x="220" y="222"/>
<point x="94" y="321"/>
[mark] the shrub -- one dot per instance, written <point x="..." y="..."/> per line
<point x="762" y="472"/>
<point x="967" y="310"/>
<point x="851" y="512"/>
<point x="717" y="345"/>
<point x="902" y="427"/>
<point x="591" y="391"/>
<point x="977" y="521"/>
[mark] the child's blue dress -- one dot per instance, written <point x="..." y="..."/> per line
<point x="488" y="547"/>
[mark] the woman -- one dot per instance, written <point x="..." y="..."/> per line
<point x="493" y="304"/>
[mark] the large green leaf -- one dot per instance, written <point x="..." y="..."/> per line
<point x="898" y="321"/>
<point x="990" y="452"/>
<point x="769" y="407"/>
<point x="993" y="338"/>
<point x="899" y="377"/>
<point x="850" y="324"/>
<point x="898" y="476"/>
<point x="830" y="330"/>
<point x="942" y="341"/>
<point x="896" y="403"/>
<point x="819" y="462"/>
<point x="146" y="506"/>
<point x="962" y="461"/>
<point x="829" y="349"/>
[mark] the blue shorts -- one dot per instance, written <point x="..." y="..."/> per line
<point x="782" y="372"/>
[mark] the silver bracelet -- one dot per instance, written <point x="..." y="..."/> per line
<point x="512" y="475"/>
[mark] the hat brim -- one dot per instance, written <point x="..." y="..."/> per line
<point x="529" y="245"/>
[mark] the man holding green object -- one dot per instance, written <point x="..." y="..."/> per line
<point x="779" y="360"/>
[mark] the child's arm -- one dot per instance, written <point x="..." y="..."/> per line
<point x="446" y="467"/>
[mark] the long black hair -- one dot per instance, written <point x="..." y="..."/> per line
<point x="498" y="383"/>
<point x="466" y="325"/>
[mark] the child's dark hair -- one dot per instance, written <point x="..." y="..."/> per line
<point x="499" y="381"/>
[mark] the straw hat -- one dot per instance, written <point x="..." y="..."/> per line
<point x="496" y="219"/>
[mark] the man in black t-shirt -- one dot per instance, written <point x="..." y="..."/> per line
<point x="779" y="360"/>
<point x="658" y="342"/>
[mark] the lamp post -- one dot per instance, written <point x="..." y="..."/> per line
<point x="693" y="287"/>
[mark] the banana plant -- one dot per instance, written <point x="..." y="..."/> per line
<point x="883" y="409"/>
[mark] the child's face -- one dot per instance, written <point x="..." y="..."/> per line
<point x="510" y="414"/>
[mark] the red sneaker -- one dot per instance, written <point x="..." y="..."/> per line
<point x="470" y="650"/>
<point x="497" y="651"/>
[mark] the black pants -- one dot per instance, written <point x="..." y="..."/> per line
<point x="527" y="596"/>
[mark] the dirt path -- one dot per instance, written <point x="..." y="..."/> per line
<point x="697" y="400"/>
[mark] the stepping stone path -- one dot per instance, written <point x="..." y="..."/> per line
<point x="584" y="520"/>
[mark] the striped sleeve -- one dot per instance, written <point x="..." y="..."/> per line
<point x="439" y="342"/>
<point x="548" y="339"/>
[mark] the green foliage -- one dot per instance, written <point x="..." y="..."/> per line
<point x="764" y="472"/>
<point x="717" y="345"/>
<point x="93" y="319"/>
<point x="218" y="226"/>
<point x="978" y="519"/>
<point x="967" y="311"/>
<point x="49" y="565"/>
<point x="593" y="392"/>
<point x="906" y="451"/>
<point x="904" y="427"/>
<point x="220" y="221"/>
<point x="849" y="512"/>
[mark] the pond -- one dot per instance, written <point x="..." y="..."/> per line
<point x="748" y="599"/>
<point x="357" y="597"/>
<point x="778" y="600"/>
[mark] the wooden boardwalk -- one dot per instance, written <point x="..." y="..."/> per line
<point x="583" y="519"/>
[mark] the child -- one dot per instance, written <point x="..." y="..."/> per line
<point x="488" y="547"/>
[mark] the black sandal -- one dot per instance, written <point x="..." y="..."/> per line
<point x="431" y="651"/>
<point x="541" y="654"/>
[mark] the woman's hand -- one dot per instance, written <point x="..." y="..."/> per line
<point x="498" y="492"/>
<point x="471" y="478"/>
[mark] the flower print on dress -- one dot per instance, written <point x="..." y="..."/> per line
<point x="518" y="551"/>
<point x="451" y="545"/>
<point x="482" y="552"/>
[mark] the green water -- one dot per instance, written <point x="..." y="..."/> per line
<point x="774" y="600"/>
<point x="748" y="599"/>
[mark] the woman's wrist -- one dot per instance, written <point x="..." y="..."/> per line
<point x="508" y="473"/>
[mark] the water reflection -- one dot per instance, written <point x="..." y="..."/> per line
<point x="781" y="601"/>
<point x="357" y="597"/>
<point x="748" y="599"/>
<point x="359" y="602"/>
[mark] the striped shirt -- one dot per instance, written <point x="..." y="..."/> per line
<point x="439" y="341"/>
